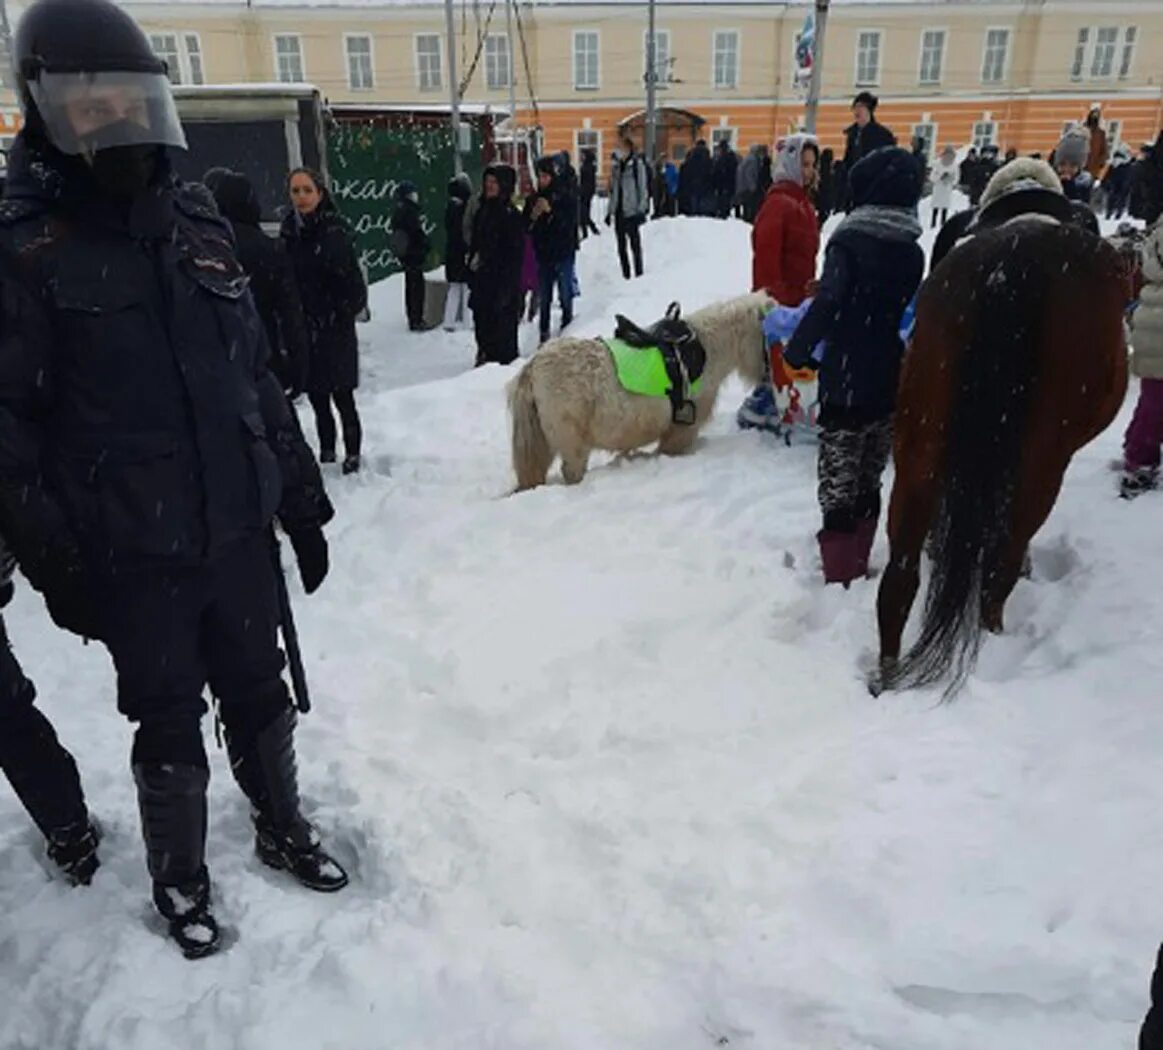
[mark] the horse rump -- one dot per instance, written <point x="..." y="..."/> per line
<point x="982" y="310"/>
<point x="532" y="455"/>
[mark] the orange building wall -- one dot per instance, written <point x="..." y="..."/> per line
<point x="1027" y="125"/>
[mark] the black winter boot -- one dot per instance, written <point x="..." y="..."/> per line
<point x="173" y="818"/>
<point x="265" y="770"/>
<point x="73" y="849"/>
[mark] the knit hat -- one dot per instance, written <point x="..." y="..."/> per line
<point x="888" y="176"/>
<point x="866" y="98"/>
<point x="548" y="165"/>
<point x="787" y="164"/>
<point x="406" y="190"/>
<point x="1074" y="146"/>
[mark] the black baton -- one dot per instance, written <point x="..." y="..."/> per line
<point x="302" y="696"/>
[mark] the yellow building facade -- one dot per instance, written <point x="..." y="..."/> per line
<point x="960" y="71"/>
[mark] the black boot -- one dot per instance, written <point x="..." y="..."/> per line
<point x="73" y="849"/>
<point x="351" y="465"/>
<point x="173" y="818"/>
<point x="265" y="770"/>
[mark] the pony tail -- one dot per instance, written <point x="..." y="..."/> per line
<point x="983" y="452"/>
<point x="532" y="456"/>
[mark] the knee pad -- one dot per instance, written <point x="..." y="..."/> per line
<point x="170" y="742"/>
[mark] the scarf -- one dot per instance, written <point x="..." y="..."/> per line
<point x="882" y="221"/>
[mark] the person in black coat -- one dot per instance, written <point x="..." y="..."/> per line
<point x="724" y="173"/>
<point x="410" y="245"/>
<point x="826" y="188"/>
<point x="872" y="269"/>
<point x="863" y="135"/>
<point x="456" y="252"/>
<point x="588" y="190"/>
<point x="1147" y="182"/>
<point x="333" y="294"/>
<point x="549" y="217"/>
<point x="697" y="172"/>
<point x="272" y="280"/>
<point x="496" y="255"/>
<point x="146" y="450"/>
<point x="37" y="765"/>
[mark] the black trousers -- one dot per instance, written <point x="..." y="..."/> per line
<point x="852" y="458"/>
<point x="629" y="232"/>
<point x="414" y="295"/>
<point x="496" y="332"/>
<point x="172" y="631"/>
<point x="39" y="768"/>
<point x="325" y="422"/>
<point x="585" y="217"/>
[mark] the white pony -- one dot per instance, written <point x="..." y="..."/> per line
<point x="567" y="400"/>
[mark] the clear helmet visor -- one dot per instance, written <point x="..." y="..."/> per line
<point x="87" y="112"/>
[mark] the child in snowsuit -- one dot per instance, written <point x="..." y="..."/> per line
<point x="872" y="269"/>
<point x="1145" y="433"/>
<point x="410" y="244"/>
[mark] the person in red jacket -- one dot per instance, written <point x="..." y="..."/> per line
<point x="784" y="244"/>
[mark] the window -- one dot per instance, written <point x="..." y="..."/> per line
<point x="661" y="55"/>
<point x="289" y="59"/>
<point x="722" y="134"/>
<point x="1130" y="34"/>
<point x="429" y="75"/>
<point x="1080" y="48"/>
<point x="868" y="58"/>
<point x="1105" y="42"/>
<point x="993" y="64"/>
<point x="984" y="133"/>
<point x="586" y="138"/>
<point x="586" y="45"/>
<point x="165" y="46"/>
<point x="497" y="71"/>
<point x="932" y="55"/>
<point x="1114" y="135"/>
<point x="726" y="58"/>
<point x="927" y="133"/>
<point x="184" y="64"/>
<point x="360" y="75"/>
<point x="194" y="58"/>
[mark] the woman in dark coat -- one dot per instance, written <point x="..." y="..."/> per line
<point x="272" y="280"/>
<point x="333" y="294"/>
<point x="497" y="252"/>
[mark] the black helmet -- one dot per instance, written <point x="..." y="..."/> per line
<point x="88" y="78"/>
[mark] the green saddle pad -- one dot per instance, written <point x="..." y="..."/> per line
<point x="642" y="370"/>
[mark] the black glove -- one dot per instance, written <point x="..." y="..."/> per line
<point x="310" y="547"/>
<point x="70" y="595"/>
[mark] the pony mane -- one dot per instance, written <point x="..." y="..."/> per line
<point x="726" y="329"/>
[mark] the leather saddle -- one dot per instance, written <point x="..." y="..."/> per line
<point x="682" y="354"/>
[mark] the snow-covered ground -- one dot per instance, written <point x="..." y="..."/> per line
<point x="603" y="765"/>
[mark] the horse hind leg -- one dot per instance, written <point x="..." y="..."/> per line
<point x="911" y="511"/>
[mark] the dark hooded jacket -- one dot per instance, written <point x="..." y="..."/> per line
<point x="498" y="246"/>
<point x="456" y="248"/>
<point x="555" y="231"/>
<point x="872" y="269"/>
<point x="272" y="280"/>
<point x="409" y="239"/>
<point x="139" y="425"/>
<point x="332" y="291"/>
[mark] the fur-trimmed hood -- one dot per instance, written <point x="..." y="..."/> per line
<point x="1021" y="174"/>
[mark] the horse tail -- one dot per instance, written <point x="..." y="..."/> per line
<point x="532" y="456"/>
<point x="985" y="431"/>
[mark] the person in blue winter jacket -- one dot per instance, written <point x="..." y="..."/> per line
<point x="872" y="269"/>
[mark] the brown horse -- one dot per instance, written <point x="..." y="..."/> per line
<point x="1017" y="360"/>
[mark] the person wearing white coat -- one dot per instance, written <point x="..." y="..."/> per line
<point x="944" y="177"/>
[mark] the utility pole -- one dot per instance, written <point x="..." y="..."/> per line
<point x="817" y="67"/>
<point x="454" y="85"/>
<point x="651" y="86"/>
<point x="512" y="85"/>
<point x="5" y="47"/>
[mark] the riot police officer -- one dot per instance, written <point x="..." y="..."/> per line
<point x="144" y="446"/>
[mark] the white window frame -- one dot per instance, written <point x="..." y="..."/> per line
<point x="1005" y="65"/>
<point x="940" y="61"/>
<point x="1078" y="61"/>
<point x="875" y="80"/>
<point x="977" y="141"/>
<point x="1126" y="61"/>
<point x="596" y="34"/>
<point x="716" y="137"/>
<point x="737" y="79"/>
<point x="420" y="85"/>
<point x="1114" y="136"/>
<point x="932" y="139"/>
<point x="371" y="56"/>
<point x="661" y="69"/>
<point x="495" y="83"/>
<point x="1112" y="47"/>
<point x="189" y="78"/>
<point x="275" y="38"/>
<point x="181" y="69"/>
<point x="174" y="66"/>
<point x="578" y="147"/>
